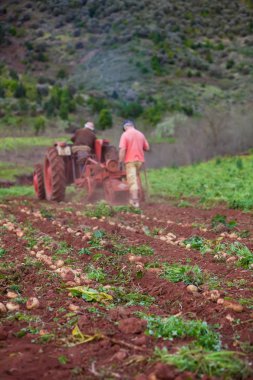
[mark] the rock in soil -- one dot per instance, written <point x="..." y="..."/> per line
<point x="132" y="326"/>
<point x="119" y="313"/>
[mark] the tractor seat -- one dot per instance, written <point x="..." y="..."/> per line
<point x="81" y="153"/>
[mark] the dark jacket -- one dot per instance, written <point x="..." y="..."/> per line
<point x="84" y="136"/>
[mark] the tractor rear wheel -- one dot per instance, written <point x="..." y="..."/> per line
<point x="54" y="175"/>
<point x="38" y="181"/>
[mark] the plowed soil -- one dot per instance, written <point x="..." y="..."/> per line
<point x="39" y="343"/>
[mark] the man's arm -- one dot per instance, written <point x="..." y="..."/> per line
<point x="145" y="145"/>
<point x="122" y="148"/>
<point x="122" y="154"/>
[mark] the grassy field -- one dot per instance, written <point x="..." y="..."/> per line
<point x="227" y="180"/>
<point x="11" y="143"/>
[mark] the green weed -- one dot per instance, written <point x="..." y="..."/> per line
<point x="101" y="209"/>
<point x="222" y="219"/>
<point x="96" y="274"/>
<point x="2" y="252"/>
<point x="142" y="250"/>
<point x="185" y="273"/>
<point x="223" y="364"/>
<point x="244" y="255"/>
<point x="177" y="327"/>
<point x="132" y="298"/>
<point x="84" y="251"/>
<point x="197" y="242"/>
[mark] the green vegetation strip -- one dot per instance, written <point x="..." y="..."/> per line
<point x="8" y="171"/>
<point x="223" y="364"/>
<point x="17" y="191"/>
<point x="13" y="143"/>
<point x="226" y="180"/>
<point x="185" y="273"/>
<point x="177" y="327"/>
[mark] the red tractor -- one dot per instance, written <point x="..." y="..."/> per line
<point x="65" y="164"/>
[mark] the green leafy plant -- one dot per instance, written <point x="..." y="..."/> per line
<point x="142" y="250"/>
<point x="84" y="251"/>
<point x="185" y="273"/>
<point x="197" y="242"/>
<point x="222" y="219"/>
<point x="105" y="119"/>
<point x="132" y="298"/>
<point x="177" y="327"/>
<point x="96" y="274"/>
<point x="89" y="294"/>
<point x="243" y="253"/>
<point x="99" y="210"/>
<point x="62" y="359"/>
<point x="222" y="364"/>
<point x="2" y="252"/>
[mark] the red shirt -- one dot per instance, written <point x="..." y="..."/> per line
<point x="135" y="144"/>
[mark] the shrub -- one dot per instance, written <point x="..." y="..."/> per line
<point x="62" y="74"/>
<point x="154" y="113"/>
<point x="96" y="104"/>
<point x="105" y="119"/>
<point x="2" y="91"/>
<point x="13" y="74"/>
<point x="130" y="109"/>
<point x="156" y="65"/>
<point x="2" y="34"/>
<point x="39" y="125"/>
<point x="20" y="91"/>
<point x="230" y="63"/>
<point x="64" y="111"/>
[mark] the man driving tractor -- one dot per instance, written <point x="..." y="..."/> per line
<point x="84" y="142"/>
<point x="132" y="146"/>
<point x="85" y="136"/>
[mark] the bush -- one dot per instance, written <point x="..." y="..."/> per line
<point x="130" y="109"/>
<point x="156" y="65"/>
<point x="105" y="119"/>
<point x="62" y="74"/>
<point x="2" y="34"/>
<point x="20" y="91"/>
<point x="2" y="91"/>
<point x="154" y="113"/>
<point x="39" y="125"/>
<point x="97" y="104"/>
<point x="64" y="111"/>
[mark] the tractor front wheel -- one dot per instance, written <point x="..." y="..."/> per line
<point x="38" y="181"/>
<point x="54" y="175"/>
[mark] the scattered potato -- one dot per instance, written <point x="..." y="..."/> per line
<point x="12" y="295"/>
<point x="2" y="308"/>
<point x="12" y="306"/>
<point x="32" y="303"/>
<point x="73" y="307"/>
<point x="192" y="289"/>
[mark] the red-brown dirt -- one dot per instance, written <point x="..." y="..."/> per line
<point x="39" y="343"/>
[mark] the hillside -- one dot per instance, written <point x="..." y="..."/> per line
<point x="182" y="69"/>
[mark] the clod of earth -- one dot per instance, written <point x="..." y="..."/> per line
<point x="132" y="325"/>
<point x="212" y="295"/>
<point x="230" y="305"/>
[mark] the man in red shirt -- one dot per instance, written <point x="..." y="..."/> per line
<point x="132" y="146"/>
